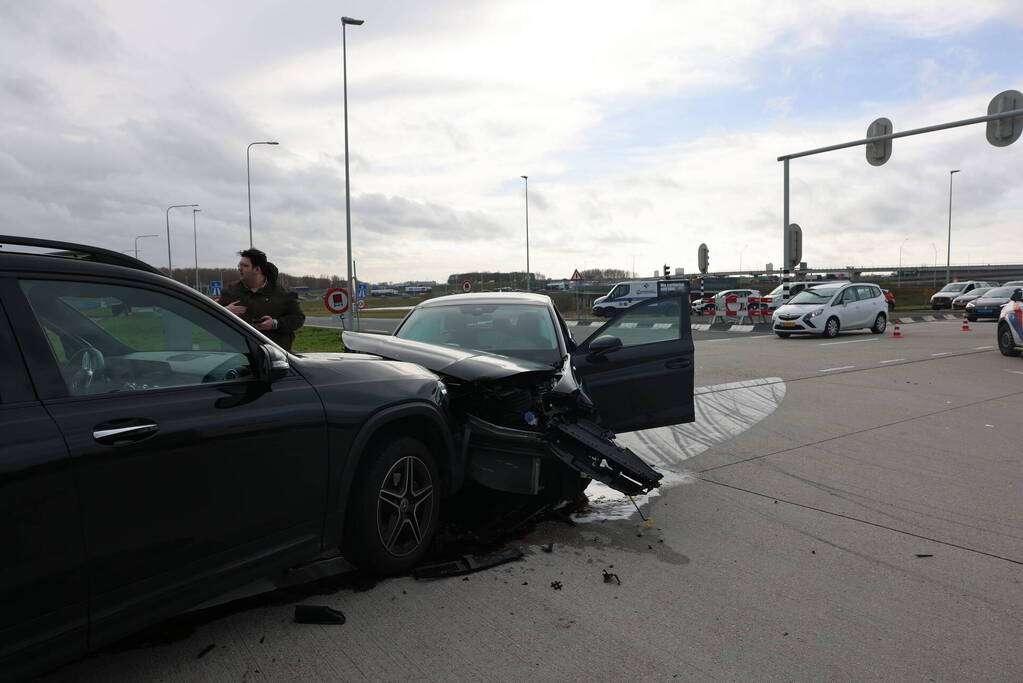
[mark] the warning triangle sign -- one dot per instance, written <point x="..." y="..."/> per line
<point x="577" y="276"/>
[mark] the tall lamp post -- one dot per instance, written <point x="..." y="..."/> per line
<point x="948" y="256"/>
<point x="740" y="259"/>
<point x="347" y="21"/>
<point x="170" y="264"/>
<point x="898" y="279"/>
<point x="248" y="182"/>
<point x="195" y="246"/>
<point x="137" y="238"/>
<point x="529" y="287"/>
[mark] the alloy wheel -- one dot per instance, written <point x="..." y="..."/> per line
<point x="405" y="506"/>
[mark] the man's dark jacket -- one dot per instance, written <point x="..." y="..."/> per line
<point x="273" y="300"/>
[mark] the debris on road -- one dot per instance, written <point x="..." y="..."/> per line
<point x="318" y="614"/>
<point x="206" y="650"/>
<point x="924" y="555"/>
<point x="548" y="548"/>
<point x="467" y="564"/>
<point x="556" y="585"/>
<point x="611" y="576"/>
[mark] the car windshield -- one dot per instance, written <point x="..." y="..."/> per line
<point x="954" y="287"/>
<point x="817" y="295"/>
<point x="523" y="331"/>
<point x="977" y="292"/>
<point x="999" y="293"/>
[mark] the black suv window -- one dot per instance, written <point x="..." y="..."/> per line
<point x="113" y="338"/>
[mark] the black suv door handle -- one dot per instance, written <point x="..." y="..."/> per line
<point x="117" y="433"/>
<point x="679" y="363"/>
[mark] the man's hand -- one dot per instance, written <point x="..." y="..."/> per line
<point x="236" y="308"/>
<point x="264" y="324"/>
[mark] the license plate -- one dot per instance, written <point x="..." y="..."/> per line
<point x="788" y="324"/>
<point x="983" y="310"/>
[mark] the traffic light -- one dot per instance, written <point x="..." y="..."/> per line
<point x="704" y="258"/>
<point x="667" y="271"/>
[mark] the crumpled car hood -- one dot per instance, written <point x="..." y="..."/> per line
<point x="464" y="364"/>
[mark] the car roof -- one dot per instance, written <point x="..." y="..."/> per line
<point x="488" y="298"/>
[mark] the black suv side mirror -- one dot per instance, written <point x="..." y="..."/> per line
<point x="273" y="363"/>
<point x="1017" y="295"/>
<point x="602" y="346"/>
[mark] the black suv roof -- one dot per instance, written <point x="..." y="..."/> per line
<point x="69" y="250"/>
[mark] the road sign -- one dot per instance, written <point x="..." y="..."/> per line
<point x="336" y="300"/>
<point x="577" y="276"/>
<point x="1005" y="131"/>
<point x="703" y="256"/>
<point x="879" y="152"/>
<point x="362" y="291"/>
<point x="215" y="287"/>
<point x="466" y="286"/>
<point x="795" y="237"/>
<point x="361" y="303"/>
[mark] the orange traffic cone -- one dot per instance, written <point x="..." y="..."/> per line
<point x="966" y="323"/>
<point x="896" y="333"/>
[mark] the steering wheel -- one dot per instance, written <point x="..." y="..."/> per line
<point x="86" y="363"/>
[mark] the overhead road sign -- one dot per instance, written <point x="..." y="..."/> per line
<point x="1004" y="132"/>
<point x="336" y="300"/>
<point x="703" y="256"/>
<point x="879" y="152"/>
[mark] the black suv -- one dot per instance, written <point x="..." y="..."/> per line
<point x="156" y="451"/>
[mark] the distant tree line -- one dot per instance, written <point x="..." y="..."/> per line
<point x="496" y="279"/>
<point x="187" y="276"/>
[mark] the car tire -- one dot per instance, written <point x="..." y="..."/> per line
<point x="784" y="335"/>
<point x="831" y="328"/>
<point x="394" y="511"/>
<point x="1006" y="344"/>
<point x="880" y="323"/>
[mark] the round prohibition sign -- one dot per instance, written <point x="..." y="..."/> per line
<point x="361" y="303"/>
<point x="466" y="286"/>
<point x="336" y="300"/>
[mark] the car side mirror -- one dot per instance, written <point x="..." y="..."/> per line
<point x="603" y="345"/>
<point x="1017" y="295"/>
<point x="273" y="363"/>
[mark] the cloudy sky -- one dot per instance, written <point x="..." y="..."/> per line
<point x="645" y="129"/>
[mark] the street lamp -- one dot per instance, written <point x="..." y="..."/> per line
<point x="347" y="21"/>
<point x="137" y="243"/>
<point x="898" y="279"/>
<point x="248" y="182"/>
<point x="740" y="258"/>
<point x="170" y="264"/>
<point x="935" y="271"/>
<point x="525" y="178"/>
<point x="948" y="256"/>
<point x="195" y="245"/>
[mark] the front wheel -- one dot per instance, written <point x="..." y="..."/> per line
<point x="880" y="322"/>
<point x="395" y="510"/>
<point x="831" y="328"/>
<point x="1006" y="344"/>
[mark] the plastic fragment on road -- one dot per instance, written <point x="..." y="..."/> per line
<point x="556" y="585"/>
<point x="466" y="564"/>
<point x="318" y="614"/>
<point x="206" y="650"/>
<point x="611" y="577"/>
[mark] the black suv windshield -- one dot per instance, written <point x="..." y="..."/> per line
<point x="818" y="295"/>
<point x="523" y="331"/>
<point x="954" y="287"/>
<point x="998" y="293"/>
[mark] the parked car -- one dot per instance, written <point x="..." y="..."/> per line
<point x="156" y="451"/>
<point x="944" y="296"/>
<point x="1014" y="283"/>
<point x="989" y="306"/>
<point x="1010" y="324"/>
<point x="889" y="299"/>
<point x="959" y="303"/>
<point x="530" y="401"/>
<point x="773" y="300"/>
<point x="827" y="309"/>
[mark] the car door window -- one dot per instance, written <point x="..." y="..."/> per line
<point x="863" y="293"/>
<point x="115" y="338"/>
<point x="652" y="321"/>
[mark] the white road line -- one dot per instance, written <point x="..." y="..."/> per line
<point x="943" y="353"/>
<point x="983" y="348"/>
<point x="893" y="360"/>
<point x="1015" y="372"/>
<point x="852" y="341"/>
<point x="844" y="367"/>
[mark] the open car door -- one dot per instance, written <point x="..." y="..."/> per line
<point x="638" y="367"/>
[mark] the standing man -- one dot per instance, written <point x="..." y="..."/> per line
<point x="258" y="299"/>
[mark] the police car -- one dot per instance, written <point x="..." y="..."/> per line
<point x="1010" y="326"/>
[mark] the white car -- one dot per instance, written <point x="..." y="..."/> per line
<point x="826" y="309"/>
<point x="1010" y="325"/>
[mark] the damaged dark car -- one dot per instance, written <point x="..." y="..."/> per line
<point x="533" y="411"/>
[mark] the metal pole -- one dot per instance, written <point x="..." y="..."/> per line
<point x="948" y="253"/>
<point x="170" y="264"/>
<point x="345" y="21"/>
<point x="137" y="238"/>
<point x="195" y="246"/>
<point x="528" y="284"/>
<point x="248" y="182"/>
<point x="786" y="250"/>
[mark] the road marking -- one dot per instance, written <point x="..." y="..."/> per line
<point x="844" y="367"/>
<point x="1015" y="372"/>
<point x="893" y="360"/>
<point x="983" y="348"/>
<point x="853" y="341"/>
<point x="943" y="353"/>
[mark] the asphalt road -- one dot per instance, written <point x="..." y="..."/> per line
<point x="841" y="510"/>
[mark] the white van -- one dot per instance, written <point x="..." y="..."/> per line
<point x="623" y="295"/>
